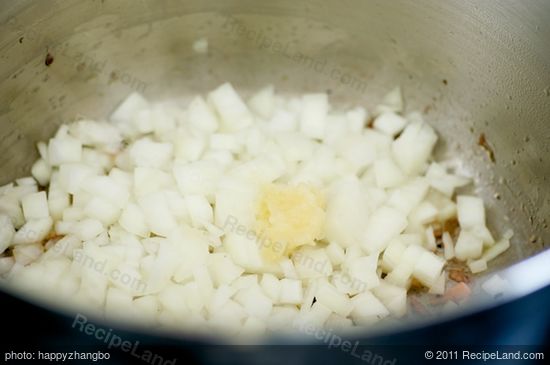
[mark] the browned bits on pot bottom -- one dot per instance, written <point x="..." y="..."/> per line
<point x="438" y="230"/>
<point x="113" y="76"/>
<point x="482" y="141"/>
<point x="54" y="236"/>
<point x="458" y="271"/>
<point x="460" y="276"/>
<point x="458" y="292"/>
<point x="49" y="59"/>
<point x="451" y="226"/>
<point x="416" y="285"/>
<point x="51" y="239"/>
<point x="370" y="122"/>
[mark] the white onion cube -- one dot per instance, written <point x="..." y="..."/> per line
<point x="363" y="271"/>
<point x="35" y="206"/>
<point x="334" y="300"/>
<point x="35" y="230"/>
<point x="367" y="309"/>
<point x="393" y="297"/>
<point x="468" y="246"/>
<point x="313" y="115"/>
<point x="477" y="266"/>
<point x="254" y="301"/>
<point x="233" y="111"/>
<point x="201" y="115"/>
<point x="390" y="123"/>
<point x="271" y="286"/>
<point x="387" y="173"/>
<point x="132" y="219"/>
<point x="413" y="147"/>
<point x="147" y="153"/>
<point x="243" y="250"/>
<point x="42" y="172"/>
<point x="263" y="102"/>
<point x="382" y="226"/>
<point x="428" y="268"/>
<point x="291" y="291"/>
<point x="7" y="231"/>
<point x="199" y="210"/>
<point x="392" y="102"/>
<point x="471" y="211"/>
<point x="64" y="149"/>
<point x="157" y="213"/>
<point x="222" y="269"/>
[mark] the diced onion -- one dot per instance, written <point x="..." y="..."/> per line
<point x="243" y="216"/>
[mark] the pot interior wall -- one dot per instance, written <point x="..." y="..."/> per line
<point x="472" y="68"/>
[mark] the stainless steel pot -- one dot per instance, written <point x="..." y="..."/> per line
<point x="474" y="69"/>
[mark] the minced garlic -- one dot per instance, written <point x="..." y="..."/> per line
<point x="290" y="215"/>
